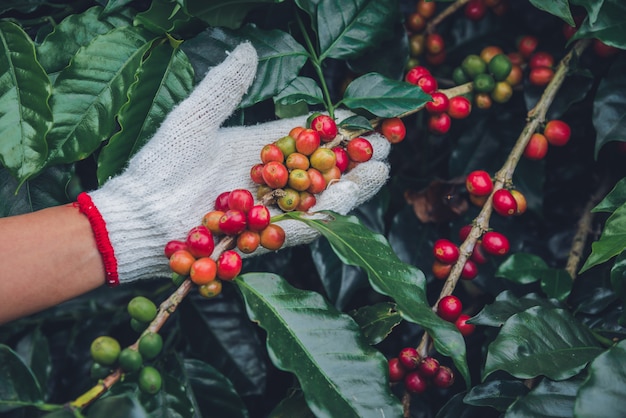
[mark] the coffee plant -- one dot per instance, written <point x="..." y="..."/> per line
<point x="487" y="278"/>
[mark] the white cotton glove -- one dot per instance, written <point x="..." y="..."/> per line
<point x="175" y="178"/>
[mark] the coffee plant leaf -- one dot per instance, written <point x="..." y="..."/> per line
<point x="547" y="399"/>
<point x="90" y="91"/>
<point x="388" y="275"/>
<point x="559" y="8"/>
<point x="162" y="81"/>
<point x="293" y="405"/>
<point x="164" y="16"/>
<point x="223" y="13"/>
<point x="301" y="89"/>
<point x="57" y="49"/>
<point x="556" y="283"/>
<point x="124" y="405"/>
<point x="612" y="241"/>
<point x="25" y="6"/>
<point x="382" y="96"/>
<point x="603" y="391"/>
<point x="213" y="394"/>
<point x="456" y="407"/>
<point x="522" y="268"/>
<point x="608" y="25"/>
<point x="377" y="321"/>
<point x="614" y="199"/>
<point x="347" y="29"/>
<point x="498" y="394"/>
<point x="18" y="384"/>
<point x="541" y="341"/>
<point x="340" y="374"/>
<point x="508" y="304"/>
<point x="609" y="106"/>
<point x="34" y="350"/>
<point x="618" y="276"/>
<point x="113" y="6"/>
<point x="25" y="116"/>
<point x="356" y="122"/>
<point x="63" y="413"/>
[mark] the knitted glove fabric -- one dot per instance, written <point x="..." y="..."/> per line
<point x="175" y="178"/>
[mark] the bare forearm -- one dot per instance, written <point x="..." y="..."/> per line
<point x="46" y="257"/>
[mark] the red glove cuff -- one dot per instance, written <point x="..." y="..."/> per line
<point x="98" y="225"/>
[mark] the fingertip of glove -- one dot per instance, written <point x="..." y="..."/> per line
<point x="381" y="146"/>
<point x="244" y="54"/>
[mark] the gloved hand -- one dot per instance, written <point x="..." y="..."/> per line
<point x="175" y="178"/>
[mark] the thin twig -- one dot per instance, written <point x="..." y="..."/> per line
<point x="450" y="10"/>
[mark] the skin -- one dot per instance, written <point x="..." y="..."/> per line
<point x="48" y="257"/>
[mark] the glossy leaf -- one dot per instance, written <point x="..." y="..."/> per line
<point x="356" y="122"/>
<point x="292" y="406"/>
<point x="556" y="283"/>
<point x="614" y="199"/>
<point x="117" y="406"/>
<point x="377" y="321"/>
<point x="382" y="96"/>
<point x="608" y="25"/>
<point x="162" y="81"/>
<point x="609" y="107"/>
<point x="541" y="341"/>
<point x="559" y="8"/>
<point x="618" y="276"/>
<point x="89" y="92"/>
<point x="457" y="408"/>
<point x="612" y="241"/>
<point x="388" y="275"/>
<point x="73" y="32"/>
<point x="18" y="385"/>
<point x="340" y="374"/>
<point x="214" y="394"/>
<point x="603" y="391"/>
<point x="498" y="394"/>
<point x="34" y="351"/>
<point x="347" y="28"/>
<point x="223" y="13"/>
<point x="507" y="305"/>
<point x="300" y="89"/>
<point x="522" y="268"/>
<point x="548" y="399"/>
<point x="163" y="16"/>
<point x="25" y="116"/>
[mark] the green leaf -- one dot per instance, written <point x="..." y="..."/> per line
<point x="541" y="341"/>
<point x="345" y="29"/>
<point x="34" y="351"/>
<point x="74" y="32"/>
<point x="522" y="268"/>
<point x="507" y="305"/>
<point x="618" y="276"/>
<point x="614" y="199"/>
<point x="117" y="406"/>
<point x="18" y="385"/>
<point x="377" y="321"/>
<point x="356" y="122"/>
<point x="163" y="16"/>
<point x="223" y="13"/>
<point x="559" y="8"/>
<point x="382" y="96"/>
<point x="170" y="401"/>
<point x="548" y="399"/>
<point x="162" y="81"/>
<point x="388" y="275"/>
<point x="609" y="106"/>
<point x="214" y="394"/>
<point x="292" y="406"/>
<point x="556" y="283"/>
<point x="603" y="391"/>
<point x="498" y="394"/>
<point x="608" y="25"/>
<point x="340" y="374"/>
<point x="90" y="91"/>
<point x="301" y="89"/>
<point x="611" y="242"/>
<point x="25" y="116"/>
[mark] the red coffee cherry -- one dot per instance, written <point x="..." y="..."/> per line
<point x="409" y="358"/>
<point x="445" y="251"/>
<point x="325" y="127"/>
<point x="557" y="132"/>
<point x="520" y="200"/>
<point x="435" y="43"/>
<point x="240" y="199"/>
<point x="475" y="10"/>
<point x="275" y="175"/>
<point x="318" y="183"/>
<point x="172" y="246"/>
<point x="527" y="45"/>
<point x="440" y="103"/>
<point x="479" y="183"/>
<point x="444" y="378"/>
<point x="459" y="107"/>
<point x="200" y="242"/>
<point x="428" y="367"/>
<point x="449" y="308"/>
<point x="464" y="328"/>
<point x="415" y="73"/>
<point x="441" y="270"/>
<point x="603" y="50"/>
<point x="504" y="203"/>
<point x="341" y="158"/>
<point x="273" y="237"/>
<point x="428" y="83"/>
<point x="495" y="243"/>
<point x="308" y="141"/>
<point x="464" y="232"/>
<point x="248" y="241"/>
<point x="415" y="22"/>
<point x="233" y="222"/>
<point x="203" y="271"/>
<point x="537" y="147"/>
<point x="359" y="150"/>
<point x="415" y="383"/>
<point x="470" y="270"/>
<point x="258" y="217"/>
<point x="396" y="371"/>
<point x="221" y="202"/>
<point x="540" y="76"/>
<point x="478" y="254"/>
<point x="439" y="123"/>
<point x="271" y="152"/>
<point x="393" y="129"/>
<point x="211" y="220"/>
<point x="541" y="59"/>
<point x="307" y="201"/>
<point x="228" y="265"/>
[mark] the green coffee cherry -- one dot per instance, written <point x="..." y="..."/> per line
<point x="473" y="65"/>
<point x="105" y="350"/>
<point x="142" y="309"/>
<point x="138" y="326"/>
<point x="484" y="83"/>
<point x="149" y="380"/>
<point x="500" y="67"/>
<point x="150" y="345"/>
<point x="130" y="360"/>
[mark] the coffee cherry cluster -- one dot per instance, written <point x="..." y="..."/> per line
<point x="477" y="9"/>
<point x="430" y="45"/>
<point x="417" y="373"/>
<point x="492" y="75"/>
<point x="107" y="353"/>
<point x="556" y="133"/>
<point x="302" y="166"/>
<point x="505" y="201"/>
